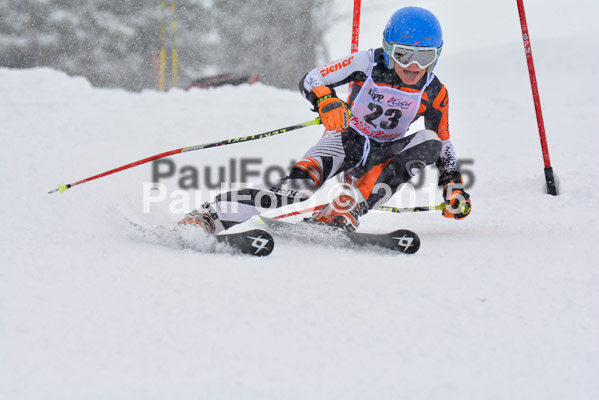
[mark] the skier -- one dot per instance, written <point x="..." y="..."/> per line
<point x="366" y="136"/>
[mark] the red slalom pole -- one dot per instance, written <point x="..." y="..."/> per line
<point x="549" y="177"/>
<point x="355" y="33"/>
<point x="355" y="38"/>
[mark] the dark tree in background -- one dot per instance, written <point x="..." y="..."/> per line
<point x="111" y="41"/>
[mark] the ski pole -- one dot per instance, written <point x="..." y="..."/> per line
<point x="381" y="208"/>
<point x="316" y="121"/>
<point x="412" y="210"/>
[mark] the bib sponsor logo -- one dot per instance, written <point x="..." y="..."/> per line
<point x="327" y="69"/>
<point x="375" y="95"/>
<point x="361" y="126"/>
<point x="379" y="135"/>
<point x="398" y="103"/>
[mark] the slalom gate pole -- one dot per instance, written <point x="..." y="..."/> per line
<point x="355" y="33"/>
<point x="174" y="55"/>
<point x="381" y="208"/>
<point x="63" y="188"/>
<point x="355" y="38"/>
<point x="162" y="44"/>
<point x="549" y="177"/>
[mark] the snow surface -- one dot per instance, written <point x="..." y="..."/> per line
<point x="502" y="305"/>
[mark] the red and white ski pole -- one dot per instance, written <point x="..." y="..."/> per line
<point x="63" y="188"/>
<point x="549" y="177"/>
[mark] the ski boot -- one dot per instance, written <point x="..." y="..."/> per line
<point x="342" y="213"/>
<point x="206" y="218"/>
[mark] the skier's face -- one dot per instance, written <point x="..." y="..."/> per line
<point x="410" y="75"/>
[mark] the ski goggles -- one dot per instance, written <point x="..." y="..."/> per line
<point x="406" y="55"/>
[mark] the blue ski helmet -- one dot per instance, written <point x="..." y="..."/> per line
<point x="412" y="26"/>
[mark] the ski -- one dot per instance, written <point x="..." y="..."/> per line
<point x="255" y="242"/>
<point x="401" y="240"/>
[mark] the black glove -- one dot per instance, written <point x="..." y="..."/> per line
<point x="458" y="201"/>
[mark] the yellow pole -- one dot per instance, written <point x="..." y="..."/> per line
<point x="162" y="45"/>
<point x="174" y="55"/>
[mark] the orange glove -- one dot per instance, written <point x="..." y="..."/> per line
<point x="458" y="201"/>
<point x="333" y="112"/>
